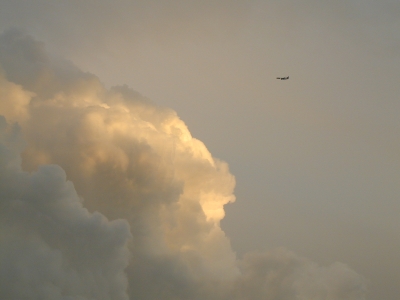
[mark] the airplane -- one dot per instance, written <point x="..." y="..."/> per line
<point x="283" y="78"/>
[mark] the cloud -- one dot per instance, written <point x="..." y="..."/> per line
<point x="129" y="159"/>
<point x="281" y="274"/>
<point x="51" y="246"/>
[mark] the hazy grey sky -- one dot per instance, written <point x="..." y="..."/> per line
<point x="316" y="158"/>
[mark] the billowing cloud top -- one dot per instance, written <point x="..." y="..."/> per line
<point x="121" y="202"/>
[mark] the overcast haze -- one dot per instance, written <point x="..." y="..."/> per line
<point x="313" y="162"/>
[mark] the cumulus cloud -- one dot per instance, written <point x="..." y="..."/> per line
<point x="51" y="247"/>
<point x="133" y="160"/>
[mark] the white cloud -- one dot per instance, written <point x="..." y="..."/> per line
<point x="130" y="159"/>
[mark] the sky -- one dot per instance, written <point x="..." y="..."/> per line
<point x="148" y="151"/>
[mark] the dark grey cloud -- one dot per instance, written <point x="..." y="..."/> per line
<point x="51" y="246"/>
